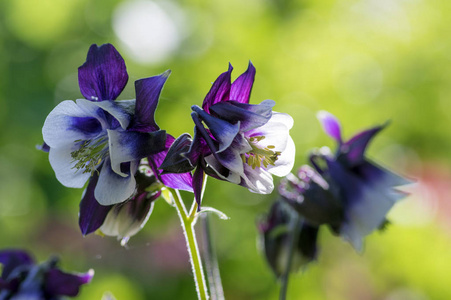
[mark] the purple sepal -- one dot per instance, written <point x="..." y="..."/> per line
<point x="103" y="76"/>
<point x="354" y="149"/>
<point x="331" y="125"/>
<point x="242" y="87"/>
<point x="220" y="91"/>
<point x="58" y="283"/>
<point x="198" y="181"/>
<point x="250" y="116"/>
<point x="223" y="131"/>
<point x="11" y="259"/>
<point x="148" y="92"/>
<point x="92" y="214"/>
<point x="176" y="180"/>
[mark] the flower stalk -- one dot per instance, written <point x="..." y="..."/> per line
<point x="188" y="221"/>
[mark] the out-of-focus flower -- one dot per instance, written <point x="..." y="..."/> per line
<point x="233" y="140"/>
<point x="22" y="278"/>
<point x="276" y="231"/>
<point x="346" y="191"/>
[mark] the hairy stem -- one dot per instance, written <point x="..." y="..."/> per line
<point x="188" y="222"/>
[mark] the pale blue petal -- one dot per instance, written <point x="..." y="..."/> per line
<point x="113" y="188"/>
<point x="64" y="167"/>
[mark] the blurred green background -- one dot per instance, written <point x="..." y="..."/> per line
<point x="365" y="61"/>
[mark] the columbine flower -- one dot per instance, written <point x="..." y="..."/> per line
<point x="276" y="229"/>
<point x="22" y="278"/>
<point x="100" y="135"/>
<point x="233" y="140"/>
<point x="346" y="190"/>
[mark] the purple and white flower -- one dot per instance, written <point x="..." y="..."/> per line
<point x="22" y="278"/>
<point x="233" y="140"/>
<point x="105" y="140"/>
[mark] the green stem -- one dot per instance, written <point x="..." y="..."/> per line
<point x="188" y="222"/>
<point x="296" y="227"/>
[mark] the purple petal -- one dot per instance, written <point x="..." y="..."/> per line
<point x="147" y="94"/>
<point x="330" y="124"/>
<point x="174" y="160"/>
<point x="103" y="76"/>
<point x="354" y="149"/>
<point x="198" y="181"/>
<point x="220" y="90"/>
<point x="223" y="131"/>
<point x="250" y="116"/>
<point x="242" y="86"/>
<point x="182" y="181"/>
<point x="58" y="283"/>
<point x="11" y="259"/>
<point x="92" y="214"/>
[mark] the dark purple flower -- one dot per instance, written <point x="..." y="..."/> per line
<point x="276" y="231"/>
<point x="345" y="190"/>
<point x="22" y="278"/>
<point x="233" y="140"/>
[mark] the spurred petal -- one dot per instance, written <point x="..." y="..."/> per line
<point x="354" y="149"/>
<point x="92" y="214"/>
<point x="198" y="181"/>
<point x="223" y="131"/>
<point x="250" y="116"/>
<point x="113" y="188"/>
<point x="220" y="90"/>
<point x="182" y="181"/>
<point x="126" y="146"/>
<point x="242" y="86"/>
<point x="330" y="124"/>
<point x="174" y="160"/>
<point x="147" y="94"/>
<point x="11" y="259"/>
<point x="58" y="283"/>
<point x="103" y="76"/>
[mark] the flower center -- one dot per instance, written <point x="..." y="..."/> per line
<point x="90" y="154"/>
<point x="260" y="156"/>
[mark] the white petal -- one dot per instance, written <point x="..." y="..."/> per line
<point x="258" y="180"/>
<point x="59" y="130"/>
<point x="119" y="110"/>
<point x="63" y="165"/>
<point x="113" y="188"/>
<point x="285" y="162"/>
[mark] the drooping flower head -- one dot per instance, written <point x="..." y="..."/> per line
<point x="345" y="190"/>
<point x="275" y="233"/>
<point x="22" y="278"/>
<point x="104" y="140"/>
<point x="233" y="140"/>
